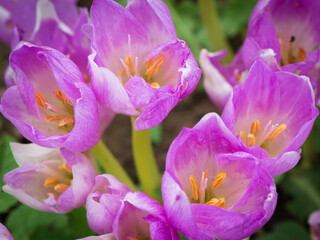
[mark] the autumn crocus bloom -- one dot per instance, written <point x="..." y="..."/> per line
<point x="213" y="190"/>
<point x="314" y="223"/>
<point x="273" y="112"/>
<point x="49" y="179"/>
<point x="51" y="105"/>
<point x="114" y="210"/>
<point x="138" y="66"/>
<point x="283" y="33"/>
<point x="4" y="233"/>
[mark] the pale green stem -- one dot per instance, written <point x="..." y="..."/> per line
<point x="215" y="33"/>
<point x="111" y="165"/>
<point x="145" y="162"/>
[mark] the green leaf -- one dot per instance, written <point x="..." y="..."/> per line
<point x="156" y="134"/>
<point x="7" y="162"/>
<point x="78" y="225"/>
<point x="24" y="221"/>
<point x="6" y="202"/>
<point x="287" y="230"/>
<point x="303" y="186"/>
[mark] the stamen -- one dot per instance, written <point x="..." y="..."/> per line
<point x="241" y="134"/>
<point x="218" y="179"/>
<point x="250" y="140"/>
<point x="55" y="196"/>
<point x="128" y="62"/>
<point x="219" y="202"/>
<point x="275" y="133"/>
<point x="149" y="62"/>
<point x="61" y="96"/>
<point x="255" y="127"/>
<point x="194" y="184"/>
<point x="50" y="182"/>
<point x="61" y="187"/>
<point x="52" y="119"/>
<point x="302" y="55"/>
<point x="238" y="76"/>
<point x="155" y="85"/>
<point x="65" y="121"/>
<point x="65" y="167"/>
<point x="41" y="99"/>
<point x="155" y="67"/>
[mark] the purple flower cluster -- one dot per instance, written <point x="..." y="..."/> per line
<point x="68" y="77"/>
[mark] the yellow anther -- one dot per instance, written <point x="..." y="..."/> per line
<point x="155" y="85"/>
<point x="219" y="202"/>
<point x="65" y="121"/>
<point x="55" y="196"/>
<point x="50" y="182"/>
<point x="205" y="174"/>
<point x="194" y="184"/>
<point x="250" y="140"/>
<point x="153" y="68"/>
<point x="52" y="119"/>
<point x="61" y="96"/>
<point x="128" y="62"/>
<point x="302" y="55"/>
<point x="123" y="72"/>
<point x="241" y="134"/>
<point x="61" y="187"/>
<point x="238" y="76"/>
<point x="218" y="179"/>
<point x="149" y="63"/>
<point x="275" y="133"/>
<point x="255" y="127"/>
<point x="65" y="167"/>
<point x="41" y="99"/>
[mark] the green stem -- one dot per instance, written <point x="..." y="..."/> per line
<point x="111" y="165"/>
<point x="145" y="162"/>
<point x="215" y="33"/>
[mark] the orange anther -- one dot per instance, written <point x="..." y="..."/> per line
<point x="241" y="134"/>
<point x="65" y="121"/>
<point x="155" y="66"/>
<point x="155" y="85"/>
<point x="128" y="62"/>
<point x="250" y="140"/>
<point x="255" y="127"/>
<point x="194" y="184"/>
<point x="219" y="202"/>
<point x="65" y="167"/>
<point x="55" y="196"/>
<point x="205" y="174"/>
<point x="123" y="72"/>
<point x="41" y="99"/>
<point x="218" y="179"/>
<point x="238" y="76"/>
<point x="302" y="55"/>
<point x="61" y="96"/>
<point x="275" y="133"/>
<point x="52" y="119"/>
<point x="50" y="182"/>
<point x="149" y="63"/>
<point x="61" y="187"/>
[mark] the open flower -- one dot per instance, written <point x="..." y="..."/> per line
<point x="114" y="210"/>
<point x="49" y="179"/>
<point x="283" y="33"/>
<point x="51" y="105"/>
<point x="213" y="190"/>
<point x="138" y="66"/>
<point x="274" y="112"/>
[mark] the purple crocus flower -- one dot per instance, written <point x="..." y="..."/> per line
<point x="273" y="112"/>
<point x="118" y="213"/>
<point x="4" y="233"/>
<point x="51" y="105"/>
<point x="138" y="66"/>
<point x="314" y="223"/>
<point x="213" y="190"/>
<point x="283" y="33"/>
<point x="57" y="24"/>
<point x="49" y="179"/>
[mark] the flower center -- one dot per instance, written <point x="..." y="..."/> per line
<point x="290" y="52"/>
<point x="262" y="137"/>
<point x="152" y="67"/>
<point x="59" y="180"/>
<point x="204" y="193"/>
<point x="63" y="115"/>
